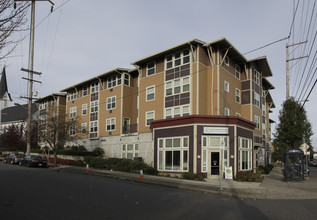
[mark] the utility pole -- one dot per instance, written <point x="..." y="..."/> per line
<point x="31" y="72"/>
<point x="287" y="65"/>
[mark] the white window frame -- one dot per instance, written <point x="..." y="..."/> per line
<point x="257" y="99"/>
<point x="113" y="81"/>
<point x="171" y="59"/>
<point x="257" y="122"/>
<point x="147" y="118"/>
<point x="111" y="102"/>
<point x="256" y="76"/>
<point x="177" y="86"/>
<point x="94" y="105"/>
<point x="84" y="128"/>
<point x="227" y="112"/>
<point x="72" y="112"/>
<point x="173" y="144"/>
<point x="238" y="71"/>
<point x="72" y="130"/>
<point x="238" y="96"/>
<point x="71" y="96"/>
<point x="93" y="128"/>
<point x="150" y="70"/>
<point x="84" y="109"/>
<point x="130" y="149"/>
<point x="126" y="81"/>
<point x="172" y="111"/>
<point x="149" y="93"/>
<point x="227" y="86"/>
<point x="111" y="124"/>
<point x="94" y="87"/>
<point x="245" y="149"/>
<point x="85" y="90"/>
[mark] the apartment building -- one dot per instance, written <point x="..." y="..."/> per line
<point x="51" y="107"/>
<point x="196" y="107"/>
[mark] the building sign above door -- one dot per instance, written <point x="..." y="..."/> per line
<point x="216" y="130"/>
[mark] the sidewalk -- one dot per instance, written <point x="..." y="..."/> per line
<point x="273" y="186"/>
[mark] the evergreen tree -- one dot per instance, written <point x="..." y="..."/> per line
<point x="293" y="129"/>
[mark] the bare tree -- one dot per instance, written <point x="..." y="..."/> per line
<point x="12" y="20"/>
<point x="56" y="128"/>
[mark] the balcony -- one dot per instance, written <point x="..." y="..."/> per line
<point x="129" y="129"/>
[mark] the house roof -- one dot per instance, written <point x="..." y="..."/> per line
<point x="167" y="51"/>
<point x="234" y="54"/>
<point x="50" y="97"/>
<point x="266" y="84"/>
<point x="264" y="65"/>
<point x="17" y="113"/>
<point x="4" y="85"/>
<point x="88" y="81"/>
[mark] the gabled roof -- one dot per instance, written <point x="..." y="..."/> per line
<point x="50" y="97"/>
<point x="104" y="75"/>
<point x="234" y="54"/>
<point x="264" y="65"/>
<point x="266" y="84"/>
<point x="17" y="113"/>
<point x="168" y="51"/>
<point x="4" y="85"/>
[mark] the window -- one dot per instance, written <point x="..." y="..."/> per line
<point x="177" y="111"/>
<point x="111" y="124"/>
<point x="185" y="84"/>
<point x="71" y="96"/>
<point x="227" y="60"/>
<point x="111" y="102"/>
<point x="126" y="79"/>
<point x="130" y="151"/>
<point x="84" y="128"/>
<point x="150" y="68"/>
<point x="257" y="122"/>
<point x="226" y="86"/>
<point x="93" y="106"/>
<point x="72" y="112"/>
<point x="72" y="130"/>
<point x="177" y="59"/>
<point x="227" y="112"/>
<point x="238" y="71"/>
<point x="113" y="81"/>
<point x="93" y="129"/>
<point x="84" y="109"/>
<point x="94" y="87"/>
<point x="85" y="91"/>
<point x="150" y="116"/>
<point x="256" y="76"/>
<point x="177" y="86"/>
<point x="150" y="93"/>
<point x="173" y="154"/>
<point x="256" y="99"/>
<point x="245" y="154"/>
<point x="238" y="96"/>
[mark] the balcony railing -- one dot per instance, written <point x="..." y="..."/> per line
<point x="128" y="129"/>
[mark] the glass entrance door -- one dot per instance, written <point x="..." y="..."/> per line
<point x="214" y="163"/>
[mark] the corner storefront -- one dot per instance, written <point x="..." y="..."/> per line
<point x="203" y="144"/>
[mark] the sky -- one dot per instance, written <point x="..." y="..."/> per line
<point x="82" y="39"/>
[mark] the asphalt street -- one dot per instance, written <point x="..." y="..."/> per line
<point x="39" y="193"/>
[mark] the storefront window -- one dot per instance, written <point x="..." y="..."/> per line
<point x="173" y="154"/>
<point x="245" y="154"/>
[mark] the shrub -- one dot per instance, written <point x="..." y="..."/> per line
<point x="193" y="176"/>
<point x="150" y="170"/>
<point x="248" y="176"/>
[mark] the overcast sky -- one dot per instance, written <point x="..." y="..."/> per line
<point x="82" y="39"/>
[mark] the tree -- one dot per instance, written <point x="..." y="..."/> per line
<point x="293" y="129"/>
<point x="11" y="21"/>
<point x="56" y="128"/>
<point x="13" y="137"/>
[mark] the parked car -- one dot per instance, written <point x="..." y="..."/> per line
<point x="33" y="161"/>
<point x="14" y="158"/>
